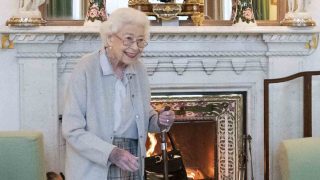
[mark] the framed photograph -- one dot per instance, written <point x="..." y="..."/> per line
<point x="274" y="2"/>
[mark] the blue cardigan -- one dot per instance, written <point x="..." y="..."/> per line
<point x="88" y="119"/>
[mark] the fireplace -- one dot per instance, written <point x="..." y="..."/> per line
<point x="178" y="59"/>
<point x="208" y="131"/>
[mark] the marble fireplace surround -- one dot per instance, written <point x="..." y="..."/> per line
<point x="178" y="59"/>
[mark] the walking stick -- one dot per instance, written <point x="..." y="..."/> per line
<point x="164" y="148"/>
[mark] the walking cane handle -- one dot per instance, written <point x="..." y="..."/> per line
<point x="163" y="128"/>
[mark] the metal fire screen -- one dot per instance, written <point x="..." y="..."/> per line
<point x="227" y="111"/>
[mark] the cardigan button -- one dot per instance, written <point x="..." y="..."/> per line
<point x="137" y="116"/>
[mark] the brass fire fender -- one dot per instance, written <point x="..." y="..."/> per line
<point x="194" y="9"/>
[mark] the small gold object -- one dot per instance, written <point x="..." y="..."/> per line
<point x="6" y="43"/>
<point x="298" y="19"/>
<point x="166" y="11"/>
<point x="133" y="2"/>
<point x="313" y="43"/>
<point x="298" y="22"/>
<point x="25" y="22"/>
<point x="197" y="19"/>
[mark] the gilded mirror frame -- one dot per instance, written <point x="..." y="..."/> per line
<point x="281" y="10"/>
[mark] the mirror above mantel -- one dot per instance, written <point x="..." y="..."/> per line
<point x="217" y="13"/>
<point x="266" y="12"/>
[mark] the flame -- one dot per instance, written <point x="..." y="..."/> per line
<point x="194" y="173"/>
<point x="191" y="175"/>
<point x="153" y="143"/>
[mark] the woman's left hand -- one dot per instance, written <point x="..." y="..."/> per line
<point x="166" y="118"/>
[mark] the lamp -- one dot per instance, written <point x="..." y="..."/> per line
<point x="28" y="14"/>
<point x="297" y="16"/>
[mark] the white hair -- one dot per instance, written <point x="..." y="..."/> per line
<point x="121" y="17"/>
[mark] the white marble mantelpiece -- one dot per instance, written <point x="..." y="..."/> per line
<point x="170" y="29"/>
<point x="178" y="59"/>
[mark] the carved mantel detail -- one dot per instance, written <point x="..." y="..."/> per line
<point x="206" y="48"/>
<point x="36" y="38"/>
<point x="208" y="66"/>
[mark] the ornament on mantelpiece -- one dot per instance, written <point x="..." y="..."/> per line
<point x="244" y="15"/>
<point x="96" y="13"/>
<point x="28" y="14"/>
<point x="297" y="15"/>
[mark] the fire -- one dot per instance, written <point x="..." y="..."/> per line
<point x="153" y="143"/>
<point x="194" y="173"/>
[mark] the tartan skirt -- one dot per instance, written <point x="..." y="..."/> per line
<point x="115" y="173"/>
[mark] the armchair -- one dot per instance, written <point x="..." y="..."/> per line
<point x="300" y="159"/>
<point x="21" y="156"/>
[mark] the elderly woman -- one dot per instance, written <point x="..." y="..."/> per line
<point x="107" y="111"/>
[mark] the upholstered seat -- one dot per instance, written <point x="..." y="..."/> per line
<point x="300" y="159"/>
<point x="21" y="156"/>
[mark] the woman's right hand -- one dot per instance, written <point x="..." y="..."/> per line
<point x="124" y="160"/>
